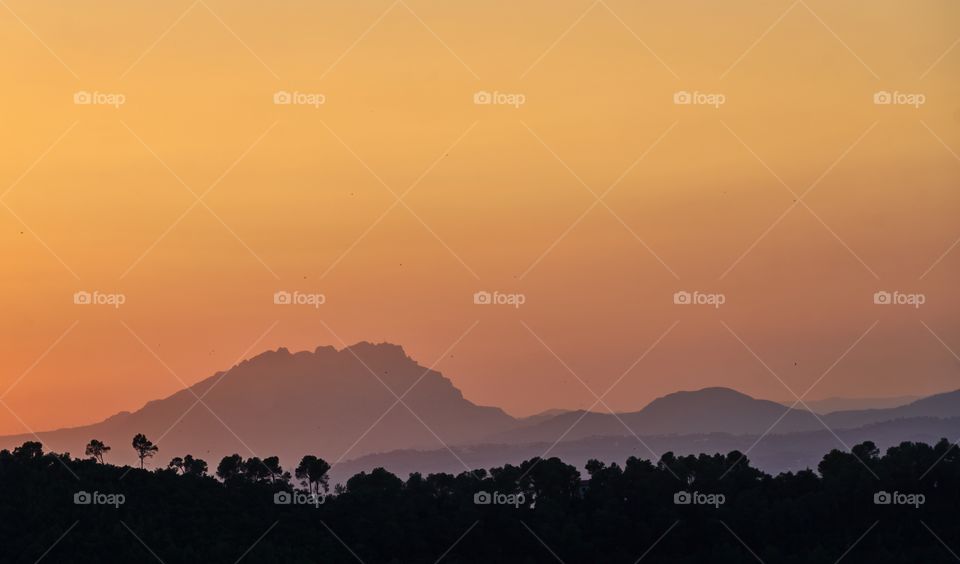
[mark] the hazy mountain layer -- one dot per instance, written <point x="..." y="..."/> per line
<point x="343" y="404"/>
<point x="772" y="454"/>
<point x="290" y="404"/>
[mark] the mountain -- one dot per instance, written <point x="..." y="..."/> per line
<point x="772" y="454"/>
<point x="939" y="405"/>
<point x="329" y="402"/>
<point x="342" y="405"/>
<point x="717" y="410"/>
<point x="709" y="410"/>
<point x="542" y="416"/>
<point x="829" y="405"/>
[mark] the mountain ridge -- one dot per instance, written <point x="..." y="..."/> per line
<point x="289" y="403"/>
<point x="342" y="404"/>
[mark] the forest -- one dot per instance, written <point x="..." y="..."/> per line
<point x="857" y="506"/>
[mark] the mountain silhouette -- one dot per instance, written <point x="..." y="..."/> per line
<point x="343" y="404"/>
<point x="939" y="405"/>
<point x="329" y="402"/>
<point x="830" y="405"/>
<point x="789" y="452"/>
<point x="719" y="410"/>
<point x="709" y="410"/>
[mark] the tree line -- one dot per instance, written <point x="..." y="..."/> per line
<point x="856" y="507"/>
<point x="312" y="470"/>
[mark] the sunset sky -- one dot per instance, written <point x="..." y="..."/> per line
<point x="597" y="198"/>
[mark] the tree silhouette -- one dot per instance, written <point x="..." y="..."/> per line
<point x="188" y="465"/>
<point x="176" y="463"/>
<point x="29" y="449"/>
<point x="194" y="466"/>
<point x="312" y="472"/>
<point x="254" y="470"/>
<point x="144" y="447"/>
<point x="272" y="464"/>
<point x="96" y="449"/>
<point x="230" y="468"/>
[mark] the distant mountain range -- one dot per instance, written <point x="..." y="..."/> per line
<point x="829" y="405"/>
<point x="343" y="405"/>
<point x="717" y="410"/>
<point x="772" y="453"/>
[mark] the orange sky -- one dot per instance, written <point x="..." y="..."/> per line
<point x="302" y="198"/>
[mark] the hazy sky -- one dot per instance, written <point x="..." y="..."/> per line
<point x="583" y="186"/>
